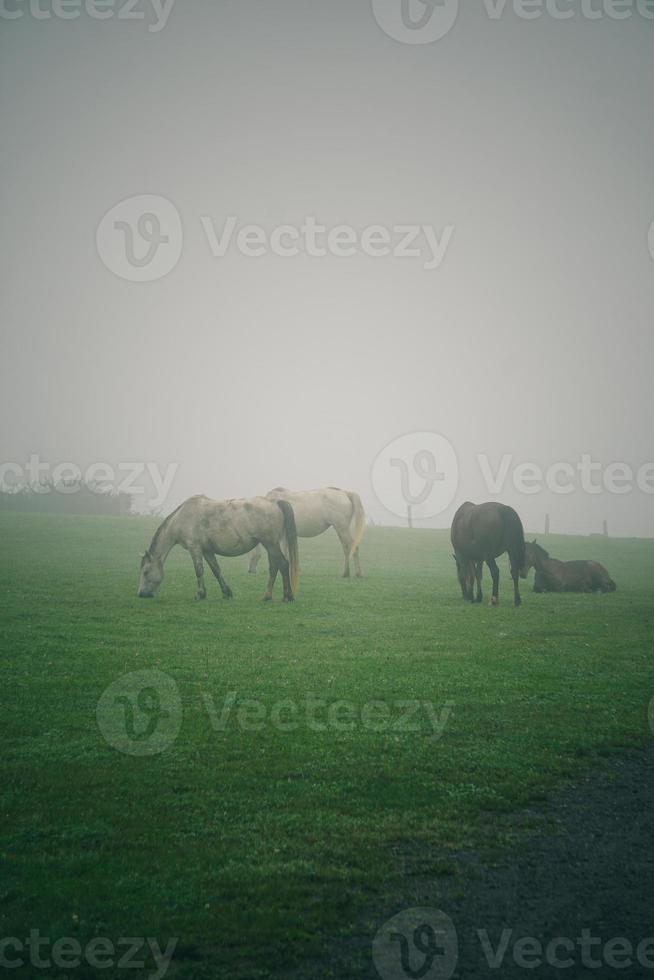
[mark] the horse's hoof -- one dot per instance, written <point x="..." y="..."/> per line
<point x="494" y="601"/>
<point x="228" y="595"/>
<point x="200" y="597"/>
<point x="518" y="602"/>
<point x="289" y="598"/>
<point x="267" y="598"/>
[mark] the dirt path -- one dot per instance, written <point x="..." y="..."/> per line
<point x="586" y="864"/>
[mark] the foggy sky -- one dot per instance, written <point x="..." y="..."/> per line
<point x="533" y="139"/>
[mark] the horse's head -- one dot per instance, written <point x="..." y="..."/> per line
<point x="466" y="572"/>
<point x="152" y="574"/>
<point x="534" y="554"/>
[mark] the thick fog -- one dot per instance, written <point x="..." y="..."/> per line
<point x="512" y="159"/>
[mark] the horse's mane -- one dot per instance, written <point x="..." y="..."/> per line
<point x="159" y="531"/>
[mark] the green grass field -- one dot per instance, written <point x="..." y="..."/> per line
<point x="253" y="844"/>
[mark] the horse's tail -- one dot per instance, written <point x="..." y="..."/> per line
<point x="290" y="535"/>
<point x="358" y="519"/>
<point x="515" y="536"/>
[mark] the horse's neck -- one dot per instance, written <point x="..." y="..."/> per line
<point x="541" y="562"/>
<point x="165" y="541"/>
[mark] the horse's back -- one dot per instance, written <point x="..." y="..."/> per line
<point x="601" y="578"/>
<point x="485" y="530"/>
<point x="227" y="527"/>
<point x="316" y="510"/>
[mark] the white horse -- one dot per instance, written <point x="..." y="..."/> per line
<point x="207" y="528"/>
<point x="318" y="510"/>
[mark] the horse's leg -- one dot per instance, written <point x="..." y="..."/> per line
<point x="470" y="581"/>
<point x="199" y="574"/>
<point x="495" y="575"/>
<point x="215" y="568"/>
<point x="346" y="545"/>
<point x="285" y="569"/>
<point x="255" y="558"/>
<point x="272" y="575"/>
<point x="279" y="562"/>
<point x="479" y="571"/>
<point x="357" y="563"/>
<point x="515" y="575"/>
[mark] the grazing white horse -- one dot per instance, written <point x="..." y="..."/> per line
<point x="207" y="528"/>
<point x="318" y="510"/>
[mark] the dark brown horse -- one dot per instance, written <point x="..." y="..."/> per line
<point x="565" y="576"/>
<point x="480" y="533"/>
